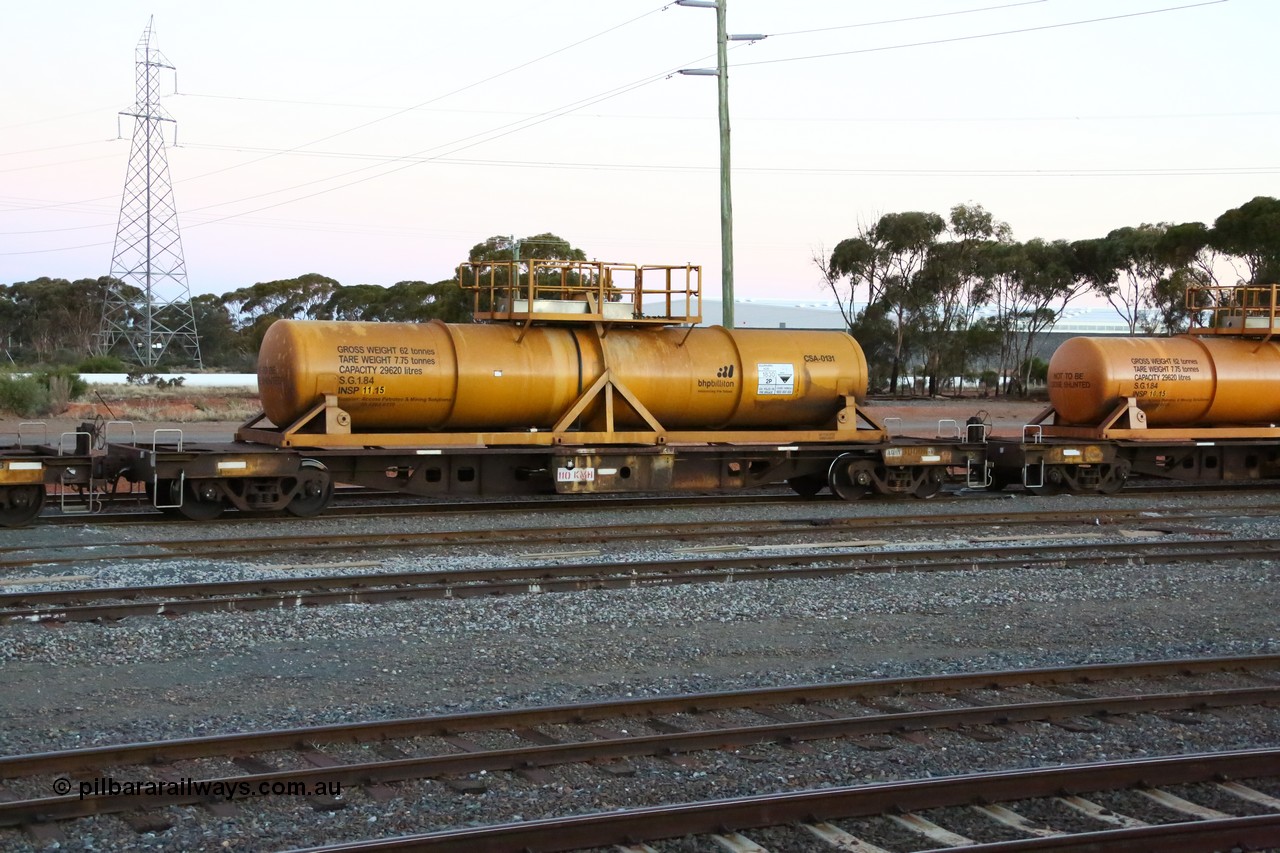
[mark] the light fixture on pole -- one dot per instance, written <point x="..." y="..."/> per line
<point x="726" y="200"/>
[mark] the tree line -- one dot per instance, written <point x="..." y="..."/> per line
<point x="52" y="322"/>
<point x="941" y="297"/>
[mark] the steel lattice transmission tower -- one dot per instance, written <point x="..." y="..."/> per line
<point x="148" y="309"/>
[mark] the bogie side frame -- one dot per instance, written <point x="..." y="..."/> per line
<point x="1049" y="458"/>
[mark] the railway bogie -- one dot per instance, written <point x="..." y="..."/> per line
<point x="199" y="482"/>
<point x="1052" y="465"/>
<point x="29" y="467"/>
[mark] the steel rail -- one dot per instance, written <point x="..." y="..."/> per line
<point x="746" y="528"/>
<point x="372" y="588"/>
<point x="455" y="505"/>
<point x="410" y="504"/>
<point x="634" y="826"/>
<point x="418" y="505"/>
<point x="1257" y="832"/>
<point x="86" y="758"/>
<point x="668" y="743"/>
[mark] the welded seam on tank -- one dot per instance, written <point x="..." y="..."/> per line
<point x="577" y="349"/>
<point x="1215" y="377"/>
<point x="453" y="397"/>
<point x="740" y="399"/>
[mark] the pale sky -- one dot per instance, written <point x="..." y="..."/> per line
<point x="378" y="142"/>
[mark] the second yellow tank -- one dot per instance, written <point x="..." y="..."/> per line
<point x="1177" y="381"/>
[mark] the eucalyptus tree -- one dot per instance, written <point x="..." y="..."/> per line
<point x="1251" y="232"/>
<point x="283" y="299"/>
<point x="1125" y="268"/>
<point x="490" y="258"/>
<point x="908" y="238"/>
<point x="857" y="273"/>
<point x="354" y="302"/>
<point x="53" y="319"/>
<point x="1030" y="285"/>
<point x="998" y="264"/>
<point x="857" y="266"/>
<point x="254" y="308"/>
<point x="1191" y="281"/>
<point x="220" y="346"/>
<point x="419" y="302"/>
<point x="402" y="302"/>
<point x="1047" y="283"/>
<point x="950" y="288"/>
<point x="545" y="246"/>
<point x="1190" y="246"/>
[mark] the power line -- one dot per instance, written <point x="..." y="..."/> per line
<point x="399" y="111"/>
<point x="524" y="124"/>
<point x="53" y="118"/>
<point x="58" y="163"/>
<point x="980" y="35"/>
<point x="675" y="167"/>
<point x="1189" y="172"/>
<point x="489" y="136"/>
<point x="906" y="20"/>
<point x="437" y="98"/>
<point x="54" y="147"/>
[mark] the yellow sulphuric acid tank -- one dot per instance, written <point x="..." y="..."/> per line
<point x="475" y="377"/>
<point x="1178" y="381"/>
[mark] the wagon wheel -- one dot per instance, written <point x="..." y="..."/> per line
<point x="1115" y="478"/>
<point x="315" y="490"/>
<point x="849" y="479"/>
<point x="930" y="484"/>
<point x="1055" y="482"/>
<point x="201" y="501"/>
<point x="20" y="504"/>
<point x="807" y="485"/>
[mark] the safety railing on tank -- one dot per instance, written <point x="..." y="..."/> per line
<point x="1243" y="310"/>
<point x="583" y="291"/>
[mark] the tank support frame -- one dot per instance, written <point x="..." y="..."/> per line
<point x="1127" y="421"/>
<point x="326" y="425"/>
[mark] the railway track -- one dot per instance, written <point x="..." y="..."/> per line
<point x="359" y="503"/>
<point x="810" y="815"/>
<point x="675" y="729"/>
<point x="22" y="556"/>
<point x="110" y="603"/>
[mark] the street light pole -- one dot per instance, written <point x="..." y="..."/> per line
<point x="726" y="197"/>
